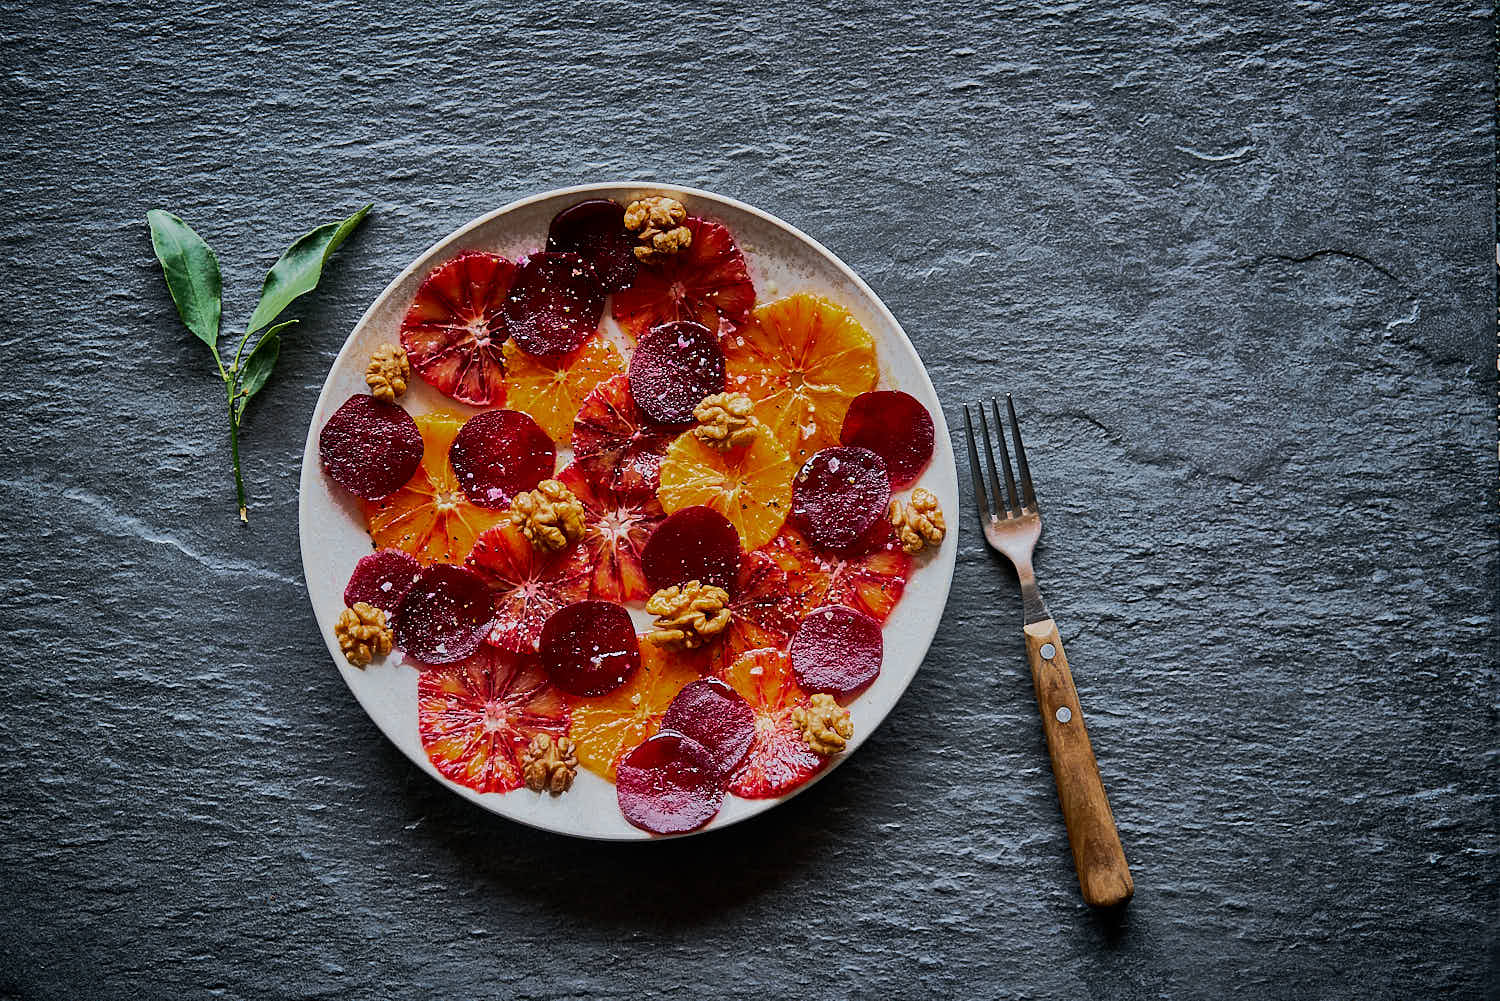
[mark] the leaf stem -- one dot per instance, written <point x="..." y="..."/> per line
<point x="234" y="448"/>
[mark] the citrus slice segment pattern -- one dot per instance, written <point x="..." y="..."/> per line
<point x="552" y="389"/>
<point x="871" y="581"/>
<point x="750" y="485"/>
<point x="611" y="430"/>
<point x="453" y="331"/>
<point x="610" y="726"/>
<point x="763" y="612"/>
<point x="779" y="759"/>
<point x="528" y="584"/>
<point x="707" y="283"/>
<point x="617" y="526"/>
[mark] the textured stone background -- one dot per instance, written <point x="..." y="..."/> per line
<point x="1234" y="259"/>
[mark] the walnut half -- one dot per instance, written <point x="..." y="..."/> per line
<point x="550" y="516"/>
<point x="549" y="764"/>
<point x="388" y="372"/>
<point x="688" y="615"/>
<point x="657" y="223"/>
<point x="918" y="521"/>
<point x="825" y="724"/>
<point x="363" y="634"/>
<point x="725" y="420"/>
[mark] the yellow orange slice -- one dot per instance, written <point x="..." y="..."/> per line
<point x="551" y="389"/>
<point x="608" y="727"/>
<point x="750" y="485"/>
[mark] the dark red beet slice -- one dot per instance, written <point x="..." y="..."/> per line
<point x="500" y="453"/>
<point x="554" y="305"/>
<point x="369" y="447"/>
<point x="895" y="427"/>
<point x="839" y="495"/>
<point x="595" y="230"/>
<point x="716" y="716"/>
<point x="696" y="543"/>
<point x="669" y="785"/>
<point x="674" y="367"/>
<point x="836" y="650"/>
<point x="382" y="579"/>
<point x="590" y="647"/>
<point x="445" y="615"/>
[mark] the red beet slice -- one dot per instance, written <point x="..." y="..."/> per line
<point x="669" y="785"/>
<point x="554" y="305"/>
<point x="453" y="331"/>
<point x="696" y="543"/>
<point x="716" y="716"/>
<point x="839" y="495"/>
<point x="836" y="650"/>
<point x="500" y="453"/>
<point x="674" y="367"/>
<point x="611" y="430"/>
<point x="369" y="447"/>
<point x="590" y="647"/>
<point x="445" y="615"/>
<point x="382" y="579"/>
<point x="895" y="427"/>
<point x="595" y="230"/>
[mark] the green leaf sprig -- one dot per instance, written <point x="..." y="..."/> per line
<point x="192" y="273"/>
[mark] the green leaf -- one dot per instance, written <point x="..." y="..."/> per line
<point x="300" y="268"/>
<point x="257" y="367"/>
<point x="192" y="273"/>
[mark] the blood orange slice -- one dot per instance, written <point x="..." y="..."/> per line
<point x="430" y="517"/>
<point x="750" y="485"/>
<point x="445" y="615"/>
<point x="476" y="717"/>
<point x="500" y="453"/>
<point x="608" y="727"/>
<point x="674" y="367"/>
<point x="839" y="495"/>
<point x="802" y="360"/>
<point x="779" y="759"/>
<point x="871" y="581"/>
<point x="382" y="579"/>
<point x="708" y="283"/>
<point x="590" y="647"/>
<point x="370" y="447"/>
<point x="836" y="650"/>
<point x="552" y="389"/>
<point x="611" y="431"/>
<point x="595" y="230"/>
<point x="894" y="426"/>
<point x="616" y="528"/>
<point x="696" y="543"/>
<point x="455" y="326"/>
<point x="669" y="785"/>
<point x="554" y="305"/>
<point x="528" y="584"/>
<point x="764" y="611"/>
<point x="716" y="716"/>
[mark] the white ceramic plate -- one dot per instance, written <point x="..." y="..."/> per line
<point x="782" y="261"/>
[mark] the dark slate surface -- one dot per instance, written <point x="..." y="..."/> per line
<point x="1235" y="259"/>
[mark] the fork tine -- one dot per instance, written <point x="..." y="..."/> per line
<point x="980" y="504"/>
<point x="1015" y="429"/>
<point x="1010" y="479"/>
<point x="1003" y="501"/>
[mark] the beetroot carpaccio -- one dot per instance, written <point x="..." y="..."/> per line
<point x="735" y="464"/>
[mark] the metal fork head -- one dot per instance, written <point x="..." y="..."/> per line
<point x="1010" y="518"/>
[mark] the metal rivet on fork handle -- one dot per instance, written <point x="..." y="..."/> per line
<point x="1049" y="651"/>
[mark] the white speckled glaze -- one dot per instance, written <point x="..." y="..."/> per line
<point x="782" y="261"/>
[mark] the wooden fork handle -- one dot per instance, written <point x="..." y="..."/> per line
<point x="1103" y="874"/>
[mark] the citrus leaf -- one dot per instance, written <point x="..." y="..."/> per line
<point x="300" y="268"/>
<point x="257" y="367"/>
<point x="192" y="273"/>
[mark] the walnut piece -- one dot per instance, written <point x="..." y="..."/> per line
<point x="549" y="764"/>
<point x="825" y="724"/>
<point x="550" y="516"/>
<point x="688" y="615"/>
<point x="363" y="634"/>
<point x="918" y="521"/>
<point x="724" y="420"/>
<point x="657" y="224"/>
<point x="387" y="373"/>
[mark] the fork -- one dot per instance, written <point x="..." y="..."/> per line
<point x="1012" y="526"/>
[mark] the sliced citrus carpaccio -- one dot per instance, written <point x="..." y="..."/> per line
<point x="455" y="326"/>
<point x="382" y="579"/>
<point x="528" y="584"/>
<point x="896" y="427"/>
<point x="716" y="716"/>
<point x="616" y="527"/>
<point x="763" y="612"/>
<point x="445" y="615"/>
<point x="606" y="728"/>
<point x="590" y="647"/>
<point x="802" y="360"/>
<point x="370" y="447"/>
<point x="751" y="485"/>
<point x="595" y="230"/>
<point x="554" y="305"/>
<point x="552" y="389"/>
<point x="839" y="495"/>
<point x="674" y="367"/>
<point x="430" y="517"/>
<point x="836" y="650"/>
<point x="612" y="431"/>
<point x="779" y="759"/>
<point x="695" y="543"/>
<point x="500" y="453"/>
<point x="869" y="582"/>
<point x="708" y="283"/>
<point x="669" y="785"/>
<point x="477" y="716"/>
